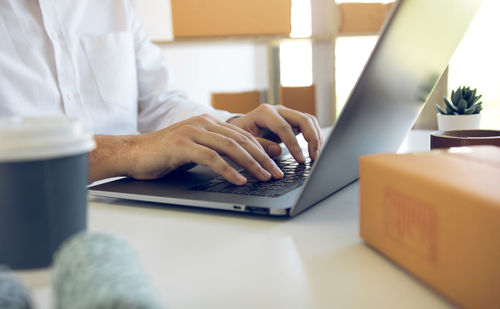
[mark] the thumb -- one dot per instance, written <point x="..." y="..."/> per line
<point x="272" y="149"/>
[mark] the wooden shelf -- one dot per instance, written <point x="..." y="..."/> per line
<point x="264" y="39"/>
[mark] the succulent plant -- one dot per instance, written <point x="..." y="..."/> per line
<point x="464" y="101"/>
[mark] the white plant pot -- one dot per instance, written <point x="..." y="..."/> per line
<point x="458" y="122"/>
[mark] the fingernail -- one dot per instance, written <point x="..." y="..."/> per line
<point x="265" y="175"/>
<point x="276" y="171"/>
<point x="240" y="179"/>
<point x="275" y="148"/>
<point x="301" y="156"/>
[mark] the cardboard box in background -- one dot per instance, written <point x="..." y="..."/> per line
<point x="437" y="214"/>
<point x="237" y="102"/>
<point x="362" y="17"/>
<point x="299" y="98"/>
<point x="201" y="18"/>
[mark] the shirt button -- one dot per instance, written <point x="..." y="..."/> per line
<point x="53" y="35"/>
<point x="70" y="96"/>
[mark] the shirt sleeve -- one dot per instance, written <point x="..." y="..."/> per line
<point x="160" y="103"/>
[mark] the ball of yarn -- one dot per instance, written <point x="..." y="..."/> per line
<point x="93" y="270"/>
<point x="13" y="294"/>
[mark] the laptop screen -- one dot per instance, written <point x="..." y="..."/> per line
<point x="412" y="53"/>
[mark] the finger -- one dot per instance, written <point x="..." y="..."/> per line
<point x="253" y="148"/>
<point x="318" y="129"/>
<point x="277" y="124"/>
<point x="306" y="126"/>
<point x="272" y="149"/>
<point x="205" y="156"/>
<point x="242" y="132"/>
<point x="227" y="146"/>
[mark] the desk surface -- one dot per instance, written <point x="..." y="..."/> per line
<point x="213" y="259"/>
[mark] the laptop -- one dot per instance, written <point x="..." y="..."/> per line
<point x="413" y="50"/>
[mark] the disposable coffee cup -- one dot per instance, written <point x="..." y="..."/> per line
<point x="43" y="187"/>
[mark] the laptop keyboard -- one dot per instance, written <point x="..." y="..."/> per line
<point x="294" y="176"/>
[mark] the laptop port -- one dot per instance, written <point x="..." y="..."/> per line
<point x="257" y="210"/>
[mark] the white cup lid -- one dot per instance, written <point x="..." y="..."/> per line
<point x="39" y="138"/>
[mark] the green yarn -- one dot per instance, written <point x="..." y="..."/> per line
<point x="97" y="271"/>
<point x="13" y="294"/>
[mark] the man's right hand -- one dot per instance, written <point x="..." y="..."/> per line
<point x="200" y="140"/>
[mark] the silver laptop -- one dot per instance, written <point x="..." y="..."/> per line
<point x="410" y="56"/>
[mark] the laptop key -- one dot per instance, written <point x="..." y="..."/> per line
<point x="294" y="176"/>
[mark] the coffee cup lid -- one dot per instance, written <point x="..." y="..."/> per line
<point x="38" y="138"/>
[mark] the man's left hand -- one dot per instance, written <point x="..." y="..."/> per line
<point x="282" y="121"/>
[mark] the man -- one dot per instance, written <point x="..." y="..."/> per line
<point x="93" y="61"/>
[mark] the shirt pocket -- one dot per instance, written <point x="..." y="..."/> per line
<point x="111" y="59"/>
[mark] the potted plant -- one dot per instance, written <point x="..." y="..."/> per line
<point x="462" y="110"/>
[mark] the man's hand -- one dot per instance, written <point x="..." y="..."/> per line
<point x="201" y="140"/>
<point x="282" y="120"/>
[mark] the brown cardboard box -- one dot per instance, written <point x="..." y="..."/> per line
<point x="200" y="18"/>
<point x="362" y="17"/>
<point x="437" y="214"/>
<point x="300" y="98"/>
<point x="236" y="102"/>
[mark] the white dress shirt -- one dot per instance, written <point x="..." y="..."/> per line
<point x="89" y="59"/>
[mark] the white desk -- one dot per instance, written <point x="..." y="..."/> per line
<point x="210" y="259"/>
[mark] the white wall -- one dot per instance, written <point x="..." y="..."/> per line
<point x="204" y="68"/>
<point x="476" y="62"/>
<point x="156" y="17"/>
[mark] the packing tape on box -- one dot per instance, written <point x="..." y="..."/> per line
<point x="94" y="270"/>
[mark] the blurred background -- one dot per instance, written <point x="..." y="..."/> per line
<point x="316" y="61"/>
